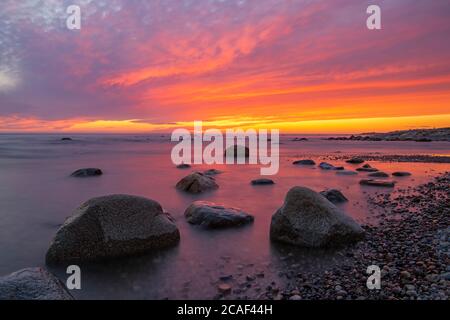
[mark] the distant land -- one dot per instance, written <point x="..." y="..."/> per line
<point x="419" y="135"/>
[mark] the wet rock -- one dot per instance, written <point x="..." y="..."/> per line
<point x="197" y="182"/>
<point x="212" y="172"/>
<point x="355" y="161"/>
<point x="87" y="172"/>
<point x="367" y="168"/>
<point x="334" y="195"/>
<point x="183" y="166"/>
<point x="214" y="216"/>
<point x="327" y="166"/>
<point x="377" y="183"/>
<point x="66" y="139"/>
<point x="346" y="173"/>
<point x="32" y="284"/>
<point x="378" y="174"/>
<point x="261" y="182"/>
<point x="401" y="174"/>
<point x="308" y="219"/>
<point x="305" y="162"/>
<point x="112" y="226"/>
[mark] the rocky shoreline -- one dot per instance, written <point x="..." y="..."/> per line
<point x="395" y="158"/>
<point x="411" y="245"/>
<point x="418" y="135"/>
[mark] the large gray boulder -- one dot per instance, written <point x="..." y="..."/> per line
<point x="32" y="284"/>
<point x="113" y="226"/>
<point x="214" y="216"/>
<point x="307" y="219"/>
<point x="197" y="182"/>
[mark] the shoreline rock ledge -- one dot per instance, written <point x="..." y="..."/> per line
<point x="307" y="219"/>
<point x="111" y="227"/>
<point x="33" y="284"/>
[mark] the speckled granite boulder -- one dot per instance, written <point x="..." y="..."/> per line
<point x="113" y="226"/>
<point x="32" y="284"/>
<point x="308" y="219"/>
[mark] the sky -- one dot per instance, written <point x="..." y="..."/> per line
<point x="306" y="66"/>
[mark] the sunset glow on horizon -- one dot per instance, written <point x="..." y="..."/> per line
<point x="300" y="66"/>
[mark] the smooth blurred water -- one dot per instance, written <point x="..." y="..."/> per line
<point x="37" y="194"/>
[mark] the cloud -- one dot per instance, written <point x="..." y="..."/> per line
<point x="175" y="61"/>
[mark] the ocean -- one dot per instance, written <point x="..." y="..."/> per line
<point x="37" y="194"/>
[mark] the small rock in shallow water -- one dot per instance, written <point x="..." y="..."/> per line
<point x="87" y="172"/>
<point x="401" y="174"/>
<point x="212" y="172"/>
<point x="355" y="161"/>
<point x="326" y="166"/>
<point x="197" y="182"/>
<point x="367" y="168"/>
<point x="183" y="166"/>
<point x="214" y="216"/>
<point x="346" y="173"/>
<point x="379" y="174"/>
<point x="260" y="182"/>
<point x="377" y="183"/>
<point x="306" y="162"/>
<point x="334" y="195"/>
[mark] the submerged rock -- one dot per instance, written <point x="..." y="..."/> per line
<point x="112" y="226"/>
<point x="183" y="166"/>
<point x="197" y="182"/>
<point x="377" y="183"/>
<point x="355" y="161"/>
<point x="346" y="173"/>
<point x="214" y="216"/>
<point x="378" y="174"/>
<point x="326" y="166"/>
<point x="305" y="162"/>
<point x="87" y="172"/>
<point x="367" y="168"/>
<point x="308" y="219"/>
<point x="259" y="182"/>
<point x="401" y="174"/>
<point x="334" y="195"/>
<point x="33" y="284"/>
<point x="212" y="172"/>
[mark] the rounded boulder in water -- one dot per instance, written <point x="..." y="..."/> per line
<point x="113" y="226"/>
